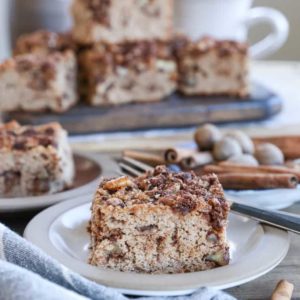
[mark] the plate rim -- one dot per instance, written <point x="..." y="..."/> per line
<point x="109" y="168"/>
<point x="291" y="197"/>
<point x="37" y="232"/>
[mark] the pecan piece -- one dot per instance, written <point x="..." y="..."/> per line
<point x="117" y="184"/>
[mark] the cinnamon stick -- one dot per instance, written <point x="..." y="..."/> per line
<point x="235" y="168"/>
<point x="289" y="145"/>
<point x="242" y="181"/>
<point x="151" y="159"/>
<point x="196" y="159"/>
<point x="283" y="291"/>
<point x="176" y="155"/>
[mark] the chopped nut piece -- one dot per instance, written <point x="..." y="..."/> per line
<point x="116" y="184"/>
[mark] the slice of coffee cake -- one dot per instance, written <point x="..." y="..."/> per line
<point x="212" y="67"/>
<point x="160" y="222"/>
<point x="141" y="71"/>
<point x="34" y="160"/>
<point x="38" y="82"/>
<point x="116" y="21"/>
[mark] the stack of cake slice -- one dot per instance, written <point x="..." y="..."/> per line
<point x="129" y="55"/>
<point x="127" y="52"/>
<point x="139" y="71"/>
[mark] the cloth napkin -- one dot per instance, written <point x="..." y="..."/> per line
<point x="27" y="273"/>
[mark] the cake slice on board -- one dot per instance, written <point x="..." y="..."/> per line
<point x="116" y="21"/>
<point x="141" y="71"/>
<point x="38" y="82"/>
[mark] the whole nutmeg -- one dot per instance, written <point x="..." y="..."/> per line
<point x="243" y="159"/>
<point x="226" y="148"/>
<point x="243" y="139"/>
<point x="269" y="154"/>
<point x="293" y="164"/>
<point x="206" y="136"/>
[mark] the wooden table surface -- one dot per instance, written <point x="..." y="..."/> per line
<point x="284" y="78"/>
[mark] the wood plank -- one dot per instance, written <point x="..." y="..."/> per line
<point x="175" y="111"/>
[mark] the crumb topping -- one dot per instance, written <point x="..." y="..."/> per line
<point x="129" y="53"/>
<point x="99" y="10"/>
<point x="184" y="192"/>
<point x="43" y="41"/>
<point x="21" y="138"/>
<point x="223" y="47"/>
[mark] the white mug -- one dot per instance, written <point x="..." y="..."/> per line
<point x="231" y="19"/>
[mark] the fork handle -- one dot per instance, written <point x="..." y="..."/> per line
<point x="286" y="221"/>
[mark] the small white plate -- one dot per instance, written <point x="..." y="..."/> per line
<point x="268" y="199"/>
<point x="61" y="232"/>
<point x="89" y="169"/>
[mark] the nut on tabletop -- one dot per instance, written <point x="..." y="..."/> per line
<point x="226" y="148"/>
<point x="269" y="154"/>
<point x="243" y="159"/>
<point x="243" y="139"/>
<point x="206" y="136"/>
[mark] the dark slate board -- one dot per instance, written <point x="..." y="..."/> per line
<point x="175" y="111"/>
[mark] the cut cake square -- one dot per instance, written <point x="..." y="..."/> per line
<point x="160" y="222"/>
<point x="141" y="71"/>
<point x="35" y="160"/>
<point x="116" y="21"/>
<point x="38" y="82"/>
<point x="212" y="67"/>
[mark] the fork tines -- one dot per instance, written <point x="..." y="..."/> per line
<point x="133" y="167"/>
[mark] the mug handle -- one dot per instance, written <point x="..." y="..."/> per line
<point x="276" y="39"/>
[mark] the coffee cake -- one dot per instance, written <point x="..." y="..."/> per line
<point x="211" y="67"/>
<point x="34" y="160"/>
<point x="115" y="21"/>
<point x="38" y="82"/>
<point x="160" y="222"/>
<point x="127" y="72"/>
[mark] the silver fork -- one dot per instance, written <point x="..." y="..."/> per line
<point x="281" y="220"/>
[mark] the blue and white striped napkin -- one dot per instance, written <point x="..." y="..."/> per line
<point x="27" y="273"/>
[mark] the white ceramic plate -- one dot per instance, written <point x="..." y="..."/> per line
<point x="61" y="232"/>
<point x="89" y="168"/>
<point x="268" y="199"/>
